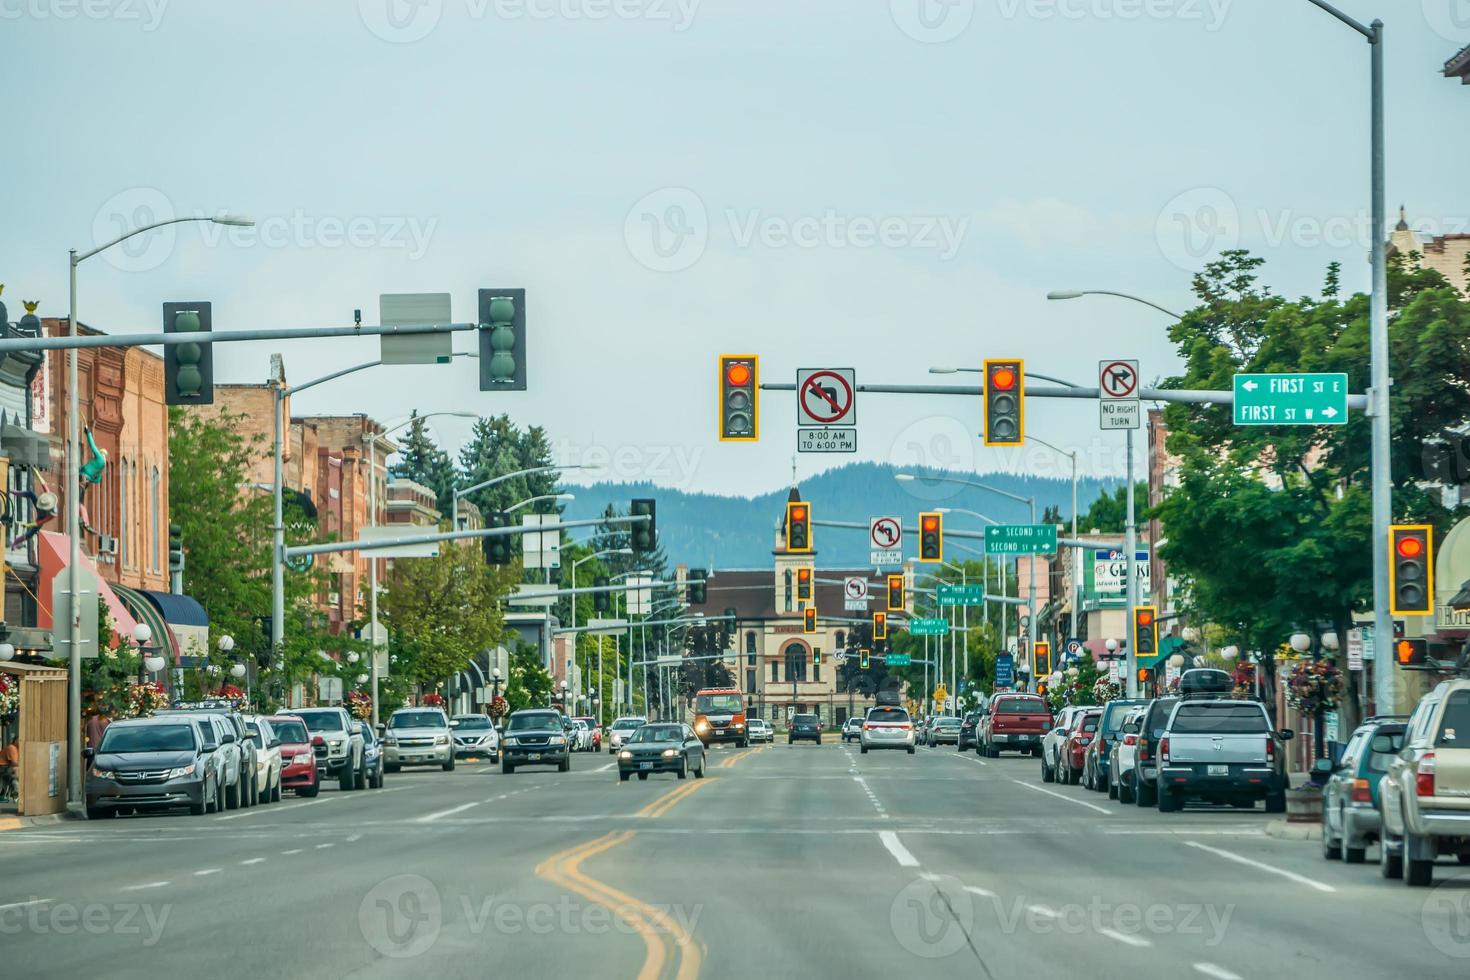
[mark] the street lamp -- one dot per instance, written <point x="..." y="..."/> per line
<point x="148" y="660"/>
<point x="599" y="554"/>
<point x="539" y="498"/>
<point x="74" y="503"/>
<point x="465" y="491"/>
<point x="7" y="651"/>
<point x="1176" y="661"/>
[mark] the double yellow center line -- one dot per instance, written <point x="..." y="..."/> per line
<point x="670" y="799"/>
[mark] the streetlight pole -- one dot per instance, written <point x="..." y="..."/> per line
<point x="598" y="554"/>
<point x="465" y="491"/>
<point x="74" y="503"/>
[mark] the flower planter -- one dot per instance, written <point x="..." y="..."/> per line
<point x="1304" y="805"/>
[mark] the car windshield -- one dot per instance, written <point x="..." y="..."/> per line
<point x="888" y="715"/>
<point x="1219" y="718"/>
<point x="416" y="719"/>
<point x="147" y="738"/>
<point x="1116" y="716"/>
<point x="717" y="703"/>
<point x="533" y="720"/>
<point x="1089" y="722"/>
<point x="472" y="723"/>
<point x="1383" y="747"/>
<point x="803" y="719"/>
<point x="322" y="721"/>
<point x="658" y="733"/>
<point x="290" y="730"/>
<point x="1016" y="706"/>
<point x="949" y="723"/>
<point x="1454" y="724"/>
<point x="627" y="724"/>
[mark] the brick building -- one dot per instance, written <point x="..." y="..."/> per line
<point x="1446" y="254"/>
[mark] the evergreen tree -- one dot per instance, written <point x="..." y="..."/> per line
<point x="421" y="460"/>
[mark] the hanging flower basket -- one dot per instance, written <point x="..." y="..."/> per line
<point x="499" y="708"/>
<point x="360" y="704"/>
<point x="434" y="700"/>
<point x="1105" y="690"/>
<point x="229" y="692"/>
<point x="1313" y="686"/>
<point x="9" y="698"/>
<point x="144" y="699"/>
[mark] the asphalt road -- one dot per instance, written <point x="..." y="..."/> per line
<point x="786" y="861"/>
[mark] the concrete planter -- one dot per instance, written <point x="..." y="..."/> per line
<point x="1304" y="805"/>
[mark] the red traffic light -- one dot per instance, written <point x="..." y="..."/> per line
<point x="803" y="574"/>
<point x="738" y="374"/>
<point x="931" y="523"/>
<point x="1145" y="617"/>
<point x="1003" y="378"/>
<point x="1410" y="547"/>
<point x="798" y="513"/>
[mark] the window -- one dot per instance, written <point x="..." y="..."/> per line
<point x="124" y="525"/>
<point x="775" y="671"/>
<point x="796" y="657"/>
<point x="750" y="682"/>
<point x="750" y="648"/>
<point x="841" y="640"/>
<point x="1218" y="718"/>
<point x="156" y="510"/>
<point x="1454" y="725"/>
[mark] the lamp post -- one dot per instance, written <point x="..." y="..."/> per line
<point x="466" y="491"/>
<point x="598" y="554"/>
<point x="74" y="503"/>
<point x="149" y="662"/>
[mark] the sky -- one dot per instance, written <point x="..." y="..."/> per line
<point x="882" y="185"/>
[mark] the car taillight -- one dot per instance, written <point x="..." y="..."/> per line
<point x="1270" y="749"/>
<point x="906" y="727"/>
<point x="1424" y="775"/>
<point x="1361" y="792"/>
<point x="1130" y="739"/>
<point x="1164" y="749"/>
<point x="1143" y="749"/>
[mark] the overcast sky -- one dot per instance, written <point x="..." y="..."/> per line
<point x="827" y="183"/>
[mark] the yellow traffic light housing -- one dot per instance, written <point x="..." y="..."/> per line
<point x="931" y="536"/>
<point x="739" y="397"/>
<point x="895" y="592"/>
<point x="880" y="626"/>
<point x="809" y="619"/>
<point x="798" y="526"/>
<point x="1411" y="569"/>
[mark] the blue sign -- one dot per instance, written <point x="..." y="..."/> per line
<point x="1005" y="670"/>
<point x="1074" y="651"/>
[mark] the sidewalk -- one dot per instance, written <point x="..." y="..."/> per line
<point x="11" y="820"/>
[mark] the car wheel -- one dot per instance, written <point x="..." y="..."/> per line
<point x="507" y="767"/>
<point x="623" y="775"/>
<point x="1354" y="855"/>
<point x="1125" y="793"/>
<point x="699" y="773"/>
<point x="683" y="771"/>
<point x="1276" y="802"/>
<point x="360" y="781"/>
<point x="449" y="766"/>
<point x="1390" y="865"/>
<point x="1168" y="801"/>
<point x="232" y="796"/>
<point x="309" y="791"/>
<point x="1463" y="858"/>
<point x="196" y="809"/>
<point x="911" y="750"/>
<point x="1112" y="790"/>
<point x="390" y="768"/>
<point x="1417" y="873"/>
<point x="1145" y="795"/>
<point x="642" y="776"/>
<point x="99" y="812"/>
<point x="1331" y="846"/>
<point x="566" y="765"/>
<point x="863" y="750"/>
<point x="1047" y="776"/>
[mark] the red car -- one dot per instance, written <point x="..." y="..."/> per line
<point x="1073" y="754"/>
<point x="1012" y="722"/>
<point x="298" y="759"/>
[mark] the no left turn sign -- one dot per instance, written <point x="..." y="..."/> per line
<point x="826" y="396"/>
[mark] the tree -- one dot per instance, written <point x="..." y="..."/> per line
<point x="1109" y="512"/>
<point x="422" y="461"/>
<point x="529" y="685"/>
<point x="1271" y="527"/>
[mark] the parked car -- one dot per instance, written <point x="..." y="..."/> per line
<point x="267" y="758"/>
<point x="595" y="741"/>
<point x="337" y="746"/>
<point x="1424" y="798"/>
<point x="852" y="730"/>
<point x="150" y="764"/>
<point x="298" y="760"/>
<point x="1013" y="721"/>
<point x="1145" y="762"/>
<point x="1350" y="818"/>
<point x="535" y="736"/>
<point x="234" y="764"/>
<point x="662" y="747"/>
<point x="372" y="754"/>
<point x="1095" y="767"/>
<point x="1121" y="772"/>
<point x="888" y="728"/>
<point x="807" y="728"/>
<point x="419" y="737"/>
<point x="1074" y="747"/>
<point x="966" y="739"/>
<point x="581" y="735"/>
<point x="1221" y="751"/>
<point x="944" y="731"/>
<point x="760" y="730"/>
<point x="475" y="735"/>
<point x="619" y="730"/>
<point x="1051" y="742"/>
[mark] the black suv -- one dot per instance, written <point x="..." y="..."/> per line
<point x="537" y="737"/>
<point x="1146" y="760"/>
<point x="967" y="732"/>
<point x="807" y="727"/>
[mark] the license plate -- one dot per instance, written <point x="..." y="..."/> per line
<point x="719" y="731"/>
<point x="645" y="765"/>
<point x="1218" y="770"/>
<point x="534" y="757"/>
<point x="1002" y="738"/>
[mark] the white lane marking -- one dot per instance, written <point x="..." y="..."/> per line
<point x="151" y="884"/>
<point x="1240" y="859"/>
<point x="27" y="904"/>
<point x="1062" y="796"/>
<point x="929" y="876"/>
<point x="294" y="850"/>
<point x="1123" y="937"/>
<point x="604" y="768"/>
<point x="323" y="847"/>
<point x="431" y="817"/>
<point x="895" y="847"/>
<point x="354" y="837"/>
<point x="278" y="809"/>
<point x="1043" y="911"/>
<point x="872" y="797"/>
<point x="1218" y="972"/>
<point x="248" y="861"/>
<point x="206" y="871"/>
<point x="977" y="890"/>
<point x="968" y="759"/>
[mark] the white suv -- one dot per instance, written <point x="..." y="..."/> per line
<point x="888" y="728"/>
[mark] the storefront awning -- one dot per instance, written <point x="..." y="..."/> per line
<point x="53" y="556"/>
<point x="178" y="617"/>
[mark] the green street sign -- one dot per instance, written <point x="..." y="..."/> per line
<point x="928" y="627"/>
<point x="898" y="659"/>
<point x="960" y="595"/>
<point x="1021" y="539"/>
<point x="1291" y="399"/>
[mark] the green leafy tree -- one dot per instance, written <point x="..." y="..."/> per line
<point x="1109" y="512"/>
<point x="529" y="684"/>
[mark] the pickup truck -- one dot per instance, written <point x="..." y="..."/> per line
<point x="1223" y="752"/>
<point x="1013" y="721"/>
<point x="1425" y="795"/>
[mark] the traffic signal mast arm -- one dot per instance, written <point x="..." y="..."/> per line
<point x="298" y="551"/>
<point x="972" y="535"/>
<point x="225" y="336"/>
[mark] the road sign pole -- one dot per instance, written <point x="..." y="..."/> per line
<point x="1130" y="588"/>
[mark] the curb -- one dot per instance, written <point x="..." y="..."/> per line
<point x="1282" y="830"/>
<point x="19" y="823"/>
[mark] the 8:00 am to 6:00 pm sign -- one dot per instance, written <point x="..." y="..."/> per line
<point x="835" y="440"/>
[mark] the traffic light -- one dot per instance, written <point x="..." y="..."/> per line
<point x="643" y="535"/>
<point x="498" y="548"/>
<point x="601" y="601"/>
<point x="931" y="536"/>
<point x="798" y="526"/>
<point x="803" y="585"/>
<point x="695" y="586"/>
<point x="809" y="619"/>
<point x="1411" y="569"/>
<point x="188" y="369"/>
<point x="175" y="549"/>
<point x="1412" y="654"/>
<point x="739" y="398"/>
<point x="1042" y="658"/>
<point x="863" y="659"/>
<point x="502" y="340"/>
<point x="880" y="626"/>
<point x="895" y="593"/>
<point x="1005" y="402"/>
<point x="1145" y="677"/>
<point x="1145" y="631"/>
<point x="816" y="656"/>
